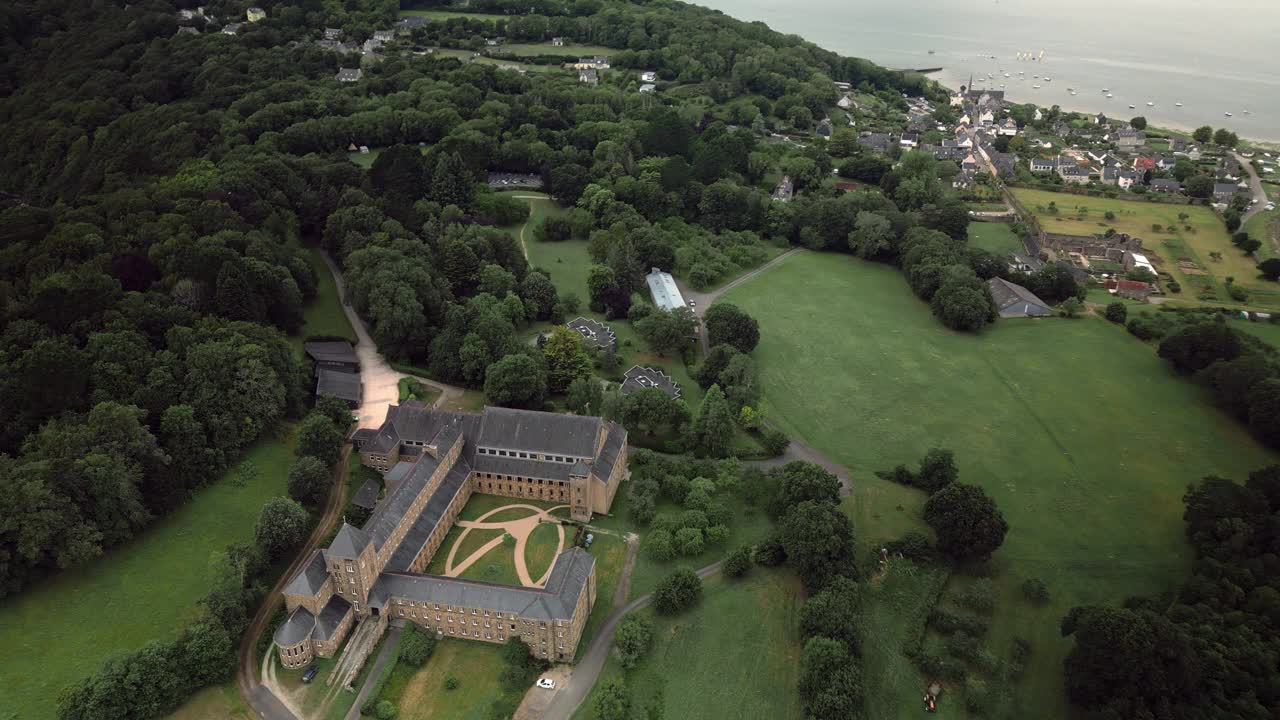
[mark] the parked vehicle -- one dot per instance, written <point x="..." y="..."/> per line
<point x="546" y="683"/>
<point x="310" y="674"/>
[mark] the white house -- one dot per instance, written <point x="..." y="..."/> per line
<point x="648" y="76"/>
<point x="666" y="296"/>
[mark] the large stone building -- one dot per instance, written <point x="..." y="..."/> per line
<point x="437" y="460"/>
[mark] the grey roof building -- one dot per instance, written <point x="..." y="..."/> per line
<point x="785" y="190"/>
<point x="1013" y="300"/>
<point x="595" y="334"/>
<point x="342" y="385"/>
<point x="370" y="573"/>
<point x="349" y="74"/>
<point x="641" y="378"/>
<point x="367" y="496"/>
<point x="662" y="287"/>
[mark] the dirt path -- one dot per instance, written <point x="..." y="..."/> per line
<point x="247" y="671"/>
<point x="523" y="244"/>
<point x="519" y="529"/>
<point x="584" y="675"/>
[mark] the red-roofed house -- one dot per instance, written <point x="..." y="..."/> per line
<point x="1132" y="289"/>
<point x="1144" y="163"/>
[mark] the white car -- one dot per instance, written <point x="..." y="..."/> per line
<point x="546" y="683"/>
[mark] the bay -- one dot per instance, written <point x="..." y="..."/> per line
<point x="1214" y="58"/>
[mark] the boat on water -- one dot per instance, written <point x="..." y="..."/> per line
<point x="1151" y="104"/>
<point x="1177" y="104"/>
<point x="1006" y="74"/>
<point x="1109" y="96"/>
<point x="1246" y="112"/>
<point x="930" y="52"/>
<point x="1227" y="114"/>
<point x="1048" y="79"/>
<point x="1133" y="107"/>
<point x="1105" y="90"/>
<point x="1035" y="87"/>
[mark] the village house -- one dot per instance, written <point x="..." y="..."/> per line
<point x="1074" y="174"/>
<point x="648" y="76"/>
<point x="589" y="77"/>
<point x="597" y="62"/>
<point x="254" y="14"/>
<point x="1014" y="301"/>
<point x="231" y="28"/>
<point x="1044" y="165"/>
<point x="846" y="102"/>
<point x="1129" y="139"/>
<point x="909" y="139"/>
<point x="825" y="129"/>
<point x="332" y="33"/>
<point x="557" y="42"/>
<point x="648" y="88"/>
<point x="1225" y="192"/>
<point x="963" y="180"/>
<point x="784" y="190"/>
<point x="348" y="75"/>
<point x="876" y="142"/>
<point x="1009" y="128"/>
<point x="643" y="378"/>
<point x="1005" y="164"/>
<point x="1131" y="289"/>
<point x="1166" y="185"/>
<point x="1137" y="261"/>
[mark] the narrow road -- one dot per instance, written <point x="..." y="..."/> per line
<point x="703" y="300"/>
<point x="389" y="644"/>
<point x="587" y="671"/>
<point x="258" y="697"/>
<point x="381" y="382"/>
<point x="1255" y="185"/>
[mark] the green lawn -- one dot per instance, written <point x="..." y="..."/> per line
<point x="995" y="237"/>
<point x="448" y="14"/>
<point x="475" y="664"/>
<point x="1088" y="467"/>
<point x="610" y="552"/>
<point x="736" y="655"/>
<point x="542" y="547"/>
<point x="62" y="629"/>
<point x="325" y="316"/>
<point x="1268" y="332"/>
<point x="565" y="262"/>
<point x="1207" y="234"/>
<point x="220" y="702"/>
<point x="546" y="48"/>
<point x="895" y="607"/>
<point x="424" y="393"/>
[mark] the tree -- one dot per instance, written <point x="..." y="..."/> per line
<point x="668" y="332"/>
<point x="835" y="613"/>
<point x="518" y="381"/>
<point x="1203" y="134"/>
<point x="1264" y="411"/>
<point x="713" y="428"/>
<point x="318" y="438"/>
<point x="1198" y="186"/>
<point x="830" y="679"/>
<point x="566" y="359"/>
<point x="738" y="563"/>
<point x="818" y="540"/>
<point x="585" y="397"/>
<point x="727" y="324"/>
<point x="1138" y="123"/>
<point x="613" y="700"/>
<point x="309" y="481"/>
<point x="1270" y="268"/>
<point x="451" y="181"/>
<point x="1198" y="346"/>
<point x="1071" y="307"/>
<point x="1117" y="312"/>
<point x="797" y="482"/>
<point x="679" y="590"/>
<point x="937" y="470"/>
<point x="688" y="541"/>
<point x="398" y="172"/>
<point x="282" y="524"/>
<point x="872" y="235"/>
<point x="966" y="521"/>
<point x="1224" y="138"/>
<point x="632" y="641"/>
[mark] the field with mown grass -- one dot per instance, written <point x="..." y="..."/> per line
<point x="1087" y="465"/>
<point x="998" y="238"/>
<point x="62" y="629"/>
<point x="734" y="655"/>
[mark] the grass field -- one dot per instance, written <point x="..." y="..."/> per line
<point x="475" y="664"/>
<point x="447" y="15"/>
<point x="736" y="655"/>
<point x="894" y="610"/>
<point x="1206" y="234"/>
<point x="610" y="552"/>
<point x="220" y="702"/>
<point x="995" y="237"/>
<point x="1088" y="467"/>
<point x="62" y="629"/>
<point x="530" y="49"/>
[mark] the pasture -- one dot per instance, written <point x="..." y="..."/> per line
<point x="60" y="630"/>
<point x="1088" y="467"/>
<point x="735" y="655"/>
<point x="997" y="238"/>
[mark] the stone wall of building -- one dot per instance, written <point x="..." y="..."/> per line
<point x="295" y="656"/>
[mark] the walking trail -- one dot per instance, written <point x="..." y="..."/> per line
<point x="519" y="529"/>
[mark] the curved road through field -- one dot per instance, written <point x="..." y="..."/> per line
<point x="587" y="671"/>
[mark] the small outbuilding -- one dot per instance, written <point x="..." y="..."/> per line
<point x="662" y="287"/>
<point x="1012" y="300"/>
<point x="333" y="355"/>
<point x="595" y="334"/>
<point x="641" y="378"/>
<point x="343" y="385"/>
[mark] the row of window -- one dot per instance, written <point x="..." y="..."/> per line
<point x="529" y="456"/>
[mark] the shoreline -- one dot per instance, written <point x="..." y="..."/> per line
<point x="1161" y="126"/>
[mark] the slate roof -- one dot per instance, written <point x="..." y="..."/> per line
<point x="610" y="452"/>
<point x="1013" y="300"/>
<point x="414" y="421"/>
<point x="540" y="432"/>
<point x="296" y="628"/>
<point x="666" y="295"/>
<point x="342" y="385"/>
<point x="367" y="495"/>
<point x="1225" y="188"/>
<point x="398" y="472"/>
<point x="332" y="351"/>
<point x="594" y="333"/>
<point x="416" y="537"/>
<point x="391" y="511"/>
<point x="330" y="617"/>
<point x="556" y="601"/>
<point x="349" y="542"/>
<point x="1166" y="185"/>
<point x="639" y="378"/>
<point x="523" y="467"/>
<point x="310" y="577"/>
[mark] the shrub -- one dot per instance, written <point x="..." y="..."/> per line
<point x="689" y="542"/>
<point x="1237" y="293"/>
<point x="770" y="553"/>
<point x="962" y="645"/>
<point x="913" y="546"/>
<point x="739" y="562"/>
<point x="451" y="683"/>
<point x="659" y="546"/>
<point x="936" y="666"/>
<point x="385" y="710"/>
<point x="774" y="442"/>
<point x="977" y="696"/>
<point x="1117" y="312"/>
<point x="947" y="623"/>
<point x="416" y="646"/>
<point x="1035" y="590"/>
<point x="979" y="596"/>
<point x="632" y="641"/>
